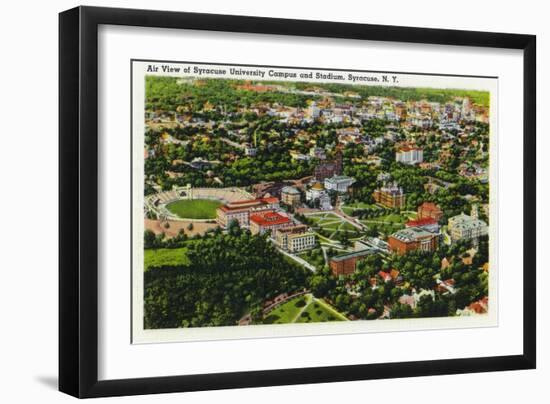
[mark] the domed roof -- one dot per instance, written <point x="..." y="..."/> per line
<point x="317" y="186"/>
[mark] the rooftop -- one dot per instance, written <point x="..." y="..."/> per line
<point x="411" y="234"/>
<point x="248" y="203"/>
<point x="300" y="228"/>
<point x="317" y="186"/>
<point x="430" y="206"/>
<point x="408" y="149"/>
<point x="353" y="254"/>
<point x="339" y="178"/>
<point x="298" y="235"/>
<point x="269" y="219"/>
<point x="463" y="221"/>
<point x="427" y="221"/>
<point x="290" y="190"/>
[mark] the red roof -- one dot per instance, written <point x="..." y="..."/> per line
<point x="408" y="148"/>
<point x="269" y="219"/>
<point x="481" y="306"/>
<point x="427" y="221"/>
<point x="430" y="206"/>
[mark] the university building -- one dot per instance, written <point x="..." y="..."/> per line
<point x="329" y="168"/>
<point x="241" y="211"/>
<point x="425" y="223"/>
<point x="412" y="239"/>
<point x="345" y="264"/>
<point x="339" y="183"/>
<point x="290" y="196"/>
<point x="268" y="222"/>
<point x="317" y="191"/>
<point x="391" y="196"/>
<point x="464" y="227"/>
<point x="429" y="210"/>
<point x="409" y="155"/>
<point x="294" y="238"/>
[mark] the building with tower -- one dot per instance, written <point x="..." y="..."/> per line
<point x="313" y="111"/>
<point x="391" y="196"/>
<point x="464" y="227"/>
<point x="329" y="169"/>
<point x="318" y="192"/>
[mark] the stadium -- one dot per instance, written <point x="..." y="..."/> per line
<point x="191" y="204"/>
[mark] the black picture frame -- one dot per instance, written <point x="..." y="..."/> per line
<point x="78" y="201"/>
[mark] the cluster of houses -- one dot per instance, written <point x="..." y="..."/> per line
<point x="422" y="114"/>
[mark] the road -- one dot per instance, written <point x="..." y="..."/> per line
<point x="350" y="219"/>
<point x="232" y="143"/>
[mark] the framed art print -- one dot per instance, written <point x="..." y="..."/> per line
<point x="248" y="201"/>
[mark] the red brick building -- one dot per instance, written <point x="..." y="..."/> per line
<point x="429" y="210"/>
<point x="426" y="223"/>
<point x="329" y="169"/>
<point x="345" y="264"/>
<point x="411" y="239"/>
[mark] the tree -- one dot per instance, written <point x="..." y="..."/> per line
<point x="320" y="285"/>
<point x="372" y="231"/>
<point x="234" y="228"/>
<point x="399" y="310"/>
<point x="149" y="239"/>
<point x="226" y="276"/>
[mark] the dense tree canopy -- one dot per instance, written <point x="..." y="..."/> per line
<point x="227" y="277"/>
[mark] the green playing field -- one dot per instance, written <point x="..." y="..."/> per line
<point x="194" y="208"/>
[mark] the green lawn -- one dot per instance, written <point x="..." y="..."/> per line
<point x="304" y="309"/>
<point x="317" y="312"/>
<point x="287" y="312"/>
<point x="315" y="218"/>
<point x="349" y="208"/>
<point x="194" y="208"/>
<point x="392" y="218"/>
<point x="165" y="256"/>
<point x="333" y="224"/>
<point x="362" y="205"/>
<point x="348" y="226"/>
<point x="329" y="218"/>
